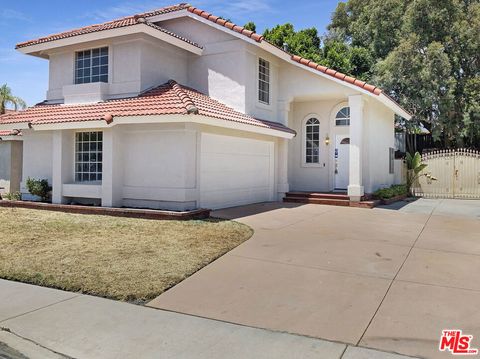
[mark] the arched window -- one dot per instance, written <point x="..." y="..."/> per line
<point x="312" y="141"/>
<point x="342" y="118"/>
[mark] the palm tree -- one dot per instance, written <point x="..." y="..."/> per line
<point x="6" y="98"/>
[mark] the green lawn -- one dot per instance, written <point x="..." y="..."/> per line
<point x="120" y="258"/>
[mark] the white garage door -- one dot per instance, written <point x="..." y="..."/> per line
<point x="235" y="171"/>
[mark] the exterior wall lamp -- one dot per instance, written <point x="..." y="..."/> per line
<point x="327" y="140"/>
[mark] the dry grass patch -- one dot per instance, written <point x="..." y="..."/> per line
<point x="120" y="258"/>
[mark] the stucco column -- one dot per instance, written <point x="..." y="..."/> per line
<point x="61" y="163"/>
<point x="112" y="178"/>
<point x="282" y="151"/>
<point x="355" y="187"/>
<point x="283" y="108"/>
<point x="282" y="168"/>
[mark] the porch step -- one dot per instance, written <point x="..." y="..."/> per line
<point x="330" y="198"/>
<point x="331" y="201"/>
<point x="329" y="195"/>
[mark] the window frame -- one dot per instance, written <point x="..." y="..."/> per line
<point x="87" y="160"/>
<point x="101" y="74"/>
<point x="269" y="83"/>
<point x="305" y="121"/>
<point x="347" y="119"/>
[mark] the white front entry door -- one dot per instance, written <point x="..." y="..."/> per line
<point x="342" y="162"/>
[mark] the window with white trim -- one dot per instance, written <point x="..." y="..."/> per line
<point x="312" y="141"/>
<point x="342" y="118"/>
<point x="88" y="156"/>
<point x="263" y="81"/>
<point x="91" y="66"/>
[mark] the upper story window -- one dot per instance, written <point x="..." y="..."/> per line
<point x="91" y="66"/>
<point x="312" y="141"/>
<point x="342" y="118"/>
<point x="88" y="156"/>
<point x="264" y="81"/>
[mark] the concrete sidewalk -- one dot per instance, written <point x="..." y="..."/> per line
<point x="39" y="322"/>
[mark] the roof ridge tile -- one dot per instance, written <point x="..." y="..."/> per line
<point x="190" y="106"/>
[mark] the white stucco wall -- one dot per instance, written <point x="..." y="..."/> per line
<point x="136" y="62"/>
<point x="221" y="71"/>
<point x="37" y="156"/>
<point x="253" y="106"/>
<point x="161" y="62"/>
<point x="159" y="167"/>
<point x="305" y="177"/>
<point x="5" y="166"/>
<point x="378" y="138"/>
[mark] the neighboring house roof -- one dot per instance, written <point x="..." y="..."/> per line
<point x="167" y="99"/>
<point x="114" y="24"/>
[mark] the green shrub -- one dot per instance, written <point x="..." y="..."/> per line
<point x="14" y="196"/>
<point x="39" y="188"/>
<point x="393" y="191"/>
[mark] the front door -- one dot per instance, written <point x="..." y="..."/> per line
<point x="342" y="162"/>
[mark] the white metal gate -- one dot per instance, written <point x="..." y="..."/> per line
<point x="456" y="174"/>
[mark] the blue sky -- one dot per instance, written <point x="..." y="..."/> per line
<point x="25" y="20"/>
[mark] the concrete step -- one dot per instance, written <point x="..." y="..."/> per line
<point x="329" y="201"/>
<point x="342" y="196"/>
<point x="332" y="199"/>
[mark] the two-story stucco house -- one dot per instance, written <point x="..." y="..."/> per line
<point x="178" y="109"/>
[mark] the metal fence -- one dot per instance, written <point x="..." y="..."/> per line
<point x="450" y="174"/>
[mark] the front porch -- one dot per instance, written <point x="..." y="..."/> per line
<point x="343" y="144"/>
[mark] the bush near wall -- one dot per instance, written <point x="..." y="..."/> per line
<point x="393" y="191"/>
<point x="39" y="188"/>
<point x="14" y="196"/>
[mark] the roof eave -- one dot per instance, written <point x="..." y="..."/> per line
<point x="40" y="49"/>
<point x="150" y="119"/>
<point x="6" y="126"/>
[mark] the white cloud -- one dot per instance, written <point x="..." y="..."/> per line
<point x="231" y="9"/>
<point x="125" y="8"/>
<point x="9" y="14"/>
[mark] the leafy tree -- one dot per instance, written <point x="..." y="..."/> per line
<point x="372" y="24"/>
<point x="305" y="43"/>
<point x="334" y="53"/>
<point x="6" y="98"/>
<point x="418" y="78"/>
<point x="426" y="54"/>
<point x="251" y="26"/>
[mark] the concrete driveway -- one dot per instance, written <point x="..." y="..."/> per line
<point x="389" y="279"/>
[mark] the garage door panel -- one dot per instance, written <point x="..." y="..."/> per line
<point x="234" y="180"/>
<point x="235" y="171"/>
<point x="221" y="199"/>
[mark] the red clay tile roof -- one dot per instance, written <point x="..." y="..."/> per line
<point x="229" y="25"/>
<point x="10" y="133"/>
<point x="167" y="99"/>
<point x="114" y="24"/>
<point x="259" y="38"/>
<point x="217" y="20"/>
